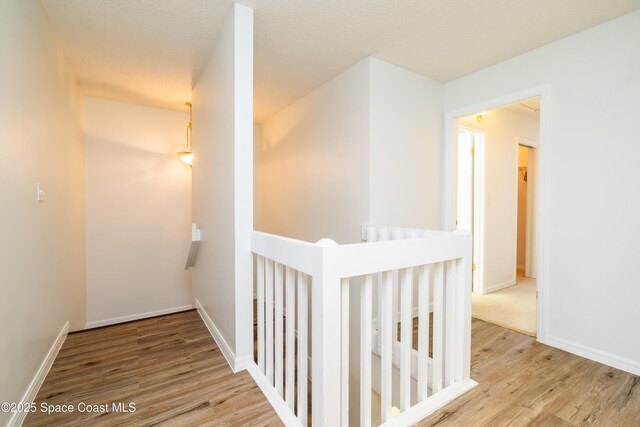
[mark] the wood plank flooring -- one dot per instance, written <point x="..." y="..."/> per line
<point x="524" y="383"/>
<point x="169" y="366"/>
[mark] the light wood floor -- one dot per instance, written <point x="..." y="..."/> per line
<point x="169" y="366"/>
<point x="174" y="372"/>
<point x="524" y="383"/>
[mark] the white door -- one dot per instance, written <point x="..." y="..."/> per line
<point x="466" y="186"/>
<point x="470" y="196"/>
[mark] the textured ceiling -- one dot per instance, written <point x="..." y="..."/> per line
<point x="150" y="51"/>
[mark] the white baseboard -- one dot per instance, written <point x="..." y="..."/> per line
<point x="278" y="404"/>
<point x="34" y="386"/>
<point x="243" y="363"/>
<point x="599" y="356"/>
<point x="423" y="409"/>
<point x="236" y="364"/>
<point x="138" y="316"/>
<point x="499" y="286"/>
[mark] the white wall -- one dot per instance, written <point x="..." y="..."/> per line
<point x="590" y="161"/>
<point x="502" y="128"/>
<point x="312" y="162"/>
<point x="223" y="184"/>
<point x="41" y="244"/>
<point x="257" y="144"/>
<point x="405" y="148"/>
<point x="364" y="147"/>
<point x="138" y="211"/>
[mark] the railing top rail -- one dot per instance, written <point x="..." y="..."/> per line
<point x="262" y="234"/>
<point x="298" y="254"/>
<point x="357" y="259"/>
<point x="413" y="232"/>
<point x="372" y="257"/>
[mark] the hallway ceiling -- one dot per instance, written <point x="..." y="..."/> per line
<point x="528" y="107"/>
<point x="150" y="51"/>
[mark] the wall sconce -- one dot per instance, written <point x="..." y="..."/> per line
<point x="187" y="156"/>
<point x="480" y="116"/>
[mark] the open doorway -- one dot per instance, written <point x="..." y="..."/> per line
<point x="470" y="195"/>
<point x="526" y="265"/>
<point x="496" y="201"/>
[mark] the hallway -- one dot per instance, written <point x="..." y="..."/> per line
<point x="174" y="373"/>
<point x="168" y="366"/>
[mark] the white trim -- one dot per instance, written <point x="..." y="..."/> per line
<point x="481" y="136"/>
<point x="242" y="363"/>
<point x="497" y="287"/>
<point x="542" y="204"/>
<point x="138" y="316"/>
<point x="542" y="237"/>
<point x="278" y="404"/>
<point x="34" y="386"/>
<point x="479" y="209"/>
<point x="236" y="364"/>
<point x="599" y="356"/>
<point x="516" y="173"/>
<point x="423" y="409"/>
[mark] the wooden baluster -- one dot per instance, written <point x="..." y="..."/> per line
<point x="382" y="235"/>
<point x="260" y="302"/>
<point x="344" y="360"/>
<point x="406" y="288"/>
<point x="279" y="357"/>
<point x="396" y="234"/>
<point x="386" y="345"/>
<point x="423" y="331"/>
<point x="438" y="307"/>
<point x="303" y="295"/>
<point x="449" y="323"/>
<point x="365" y="351"/>
<point x="269" y="319"/>
<point x="291" y="337"/>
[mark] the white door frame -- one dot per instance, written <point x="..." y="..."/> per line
<point x="449" y="179"/>
<point x="478" y="203"/>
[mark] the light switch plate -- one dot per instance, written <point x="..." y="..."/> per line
<point x="41" y="193"/>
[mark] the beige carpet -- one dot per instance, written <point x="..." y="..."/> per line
<point x="512" y="308"/>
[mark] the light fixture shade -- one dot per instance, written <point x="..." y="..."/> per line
<point x="186" y="157"/>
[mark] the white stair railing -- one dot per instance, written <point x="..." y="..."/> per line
<point x="292" y="274"/>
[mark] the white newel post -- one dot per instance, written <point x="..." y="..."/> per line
<point x="326" y="339"/>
